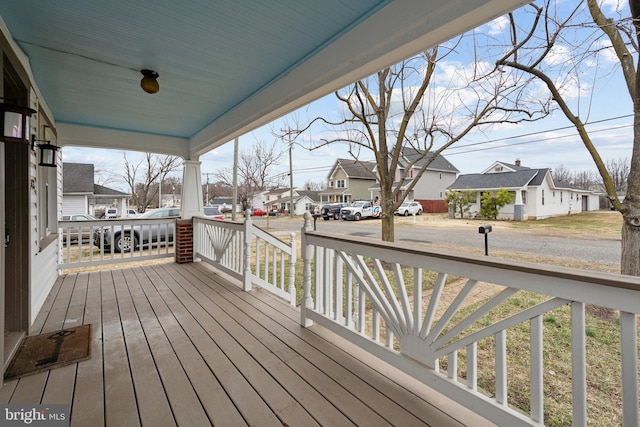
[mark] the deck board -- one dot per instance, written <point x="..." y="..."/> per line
<point x="219" y="401"/>
<point x="309" y="353"/>
<point x="88" y="400"/>
<point x="120" y="401"/>
<point x="184" y="345"/>
<point x="261" y="380"/>
<point x="157" y="324"/>
<point x="328" y="397"/>
<point x="153" y="406"/>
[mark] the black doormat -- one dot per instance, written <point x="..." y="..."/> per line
<point x="51" y="350"/>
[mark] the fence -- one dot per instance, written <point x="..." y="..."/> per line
<point x="227" y="245"/>
<point x="444" y="319"/>
<point x="89" y="243"/>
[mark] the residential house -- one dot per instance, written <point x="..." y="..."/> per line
<point x="537" y="196"/>
<point x="258" y="200"/>
<point x="81" y="196"/>
<point x="279" y="200"/>
<point x="349" y="180"/>
<point x="430" y="188"/>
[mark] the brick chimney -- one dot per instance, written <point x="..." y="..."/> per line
<point x="517" y="162"/>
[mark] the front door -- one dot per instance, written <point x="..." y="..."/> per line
<point x="15" y="219"/>
<point x="16" y="249"/>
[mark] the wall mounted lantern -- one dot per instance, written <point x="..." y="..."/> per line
<point x="47" y="152"/>
<point x="14" y="122"/>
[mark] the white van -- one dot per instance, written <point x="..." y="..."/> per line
<point x="111" y="213"/>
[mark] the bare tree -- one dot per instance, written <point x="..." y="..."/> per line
<point x="562" y="174"/>
<point x="144" y="177"/>
<point x="409" y="107"/>
<point x="585" y="180"/>
<point x="315" y="185"/>
<point x="216" y="189"/>
<point x="104" y="177"/>
<point x="565" y="53"/>
<point x="619" y="171"/>
<point x="254" y="171"/>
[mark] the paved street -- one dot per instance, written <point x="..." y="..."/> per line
<point x="466" y="235"/>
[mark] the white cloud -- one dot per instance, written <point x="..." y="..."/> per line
<point x="497" y="26"/>
<point x="558" y="55"/>
<point x="613" y="5"/>
<point x="606" y="51"/>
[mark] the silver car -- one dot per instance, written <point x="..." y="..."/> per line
<point x="127" y="237"/>
<point x="409" y="208"/>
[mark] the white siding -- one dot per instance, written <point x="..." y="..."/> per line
<point x="44" y="260"/>
<point x="74" y="205"/>
<point x="44" y="272"/>
<point x="432" y="184"/>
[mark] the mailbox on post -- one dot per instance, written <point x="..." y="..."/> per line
<point x="485" y="229"/>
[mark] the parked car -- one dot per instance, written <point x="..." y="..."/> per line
<point x="332" y="210"/>
<point x="361" y="209"/>
<point x="213" y="212"/>
<point x="258" y="212"/>
<point x="73" y="232"/>
<point x="127" y="237"/>
<point x="409" y="208"/>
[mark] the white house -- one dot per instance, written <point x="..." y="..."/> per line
<point x="81" y="196"/>
<point x="537" y="196"/>
<point x="279" y="200"/>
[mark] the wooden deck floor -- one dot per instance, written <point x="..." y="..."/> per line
<point x="182" y="345"/>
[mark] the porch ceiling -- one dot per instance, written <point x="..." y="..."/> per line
<point x="226" y="67"/>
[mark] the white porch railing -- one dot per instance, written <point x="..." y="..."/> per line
<point x="226" y="245"/>
<point x="390" y="301"/>
<point x="80" y="242"/>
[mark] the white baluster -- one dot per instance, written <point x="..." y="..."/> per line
<point x="307" y="253"/>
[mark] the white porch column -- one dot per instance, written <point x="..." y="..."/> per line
<point x="191" y="189"/>
<point x="124" y="206"/>
<point x="518" y="208"/>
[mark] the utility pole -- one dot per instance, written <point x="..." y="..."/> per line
<point x="288" y="132"/>
<point x="206" y="174"/>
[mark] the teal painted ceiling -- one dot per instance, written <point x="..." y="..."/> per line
<point x="223" y="64"/>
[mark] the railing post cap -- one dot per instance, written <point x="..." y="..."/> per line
<point x="307" y="221"/>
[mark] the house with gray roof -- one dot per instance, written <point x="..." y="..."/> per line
<point x="81" y="196"/>
<point x="431" y="186"/>
<point x="537" y="196"/>
<point x="349" y="180"/>
<point x="303" y="201"/>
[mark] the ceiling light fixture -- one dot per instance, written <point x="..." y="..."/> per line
<point x="149" y="82"/>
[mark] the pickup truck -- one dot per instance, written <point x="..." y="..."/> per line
<point x="332" y="210"/>
<point x="360" y="209"/>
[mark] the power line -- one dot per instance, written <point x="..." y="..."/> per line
<point x="525" y="142"/>
<point x="540" y="132"/>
